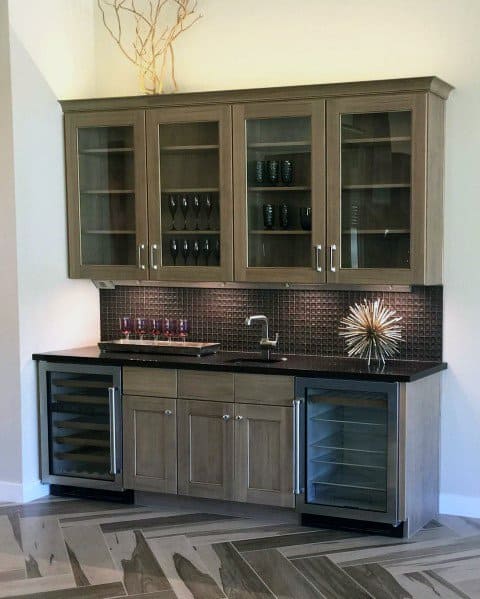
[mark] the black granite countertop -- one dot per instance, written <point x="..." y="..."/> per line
<point x="298" y="365"/>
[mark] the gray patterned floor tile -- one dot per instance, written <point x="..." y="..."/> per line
<point x="378" y="582"/>
<point x="162" y="523"/>
<point x="104" y="591"/>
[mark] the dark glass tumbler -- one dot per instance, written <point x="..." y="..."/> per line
<point x="259" y="172"/>
<point x="268" y="216"/>
<point x="284" y="216"/>
<point x="306" y="218"/>
<point x="286" y="171"/>
<point x="272" y="171"/>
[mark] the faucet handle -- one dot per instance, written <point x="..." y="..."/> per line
<point x="269" y="343"/>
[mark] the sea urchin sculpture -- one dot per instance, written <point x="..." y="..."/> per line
<point x="371" y="331"/>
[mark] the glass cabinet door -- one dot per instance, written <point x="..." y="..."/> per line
<point x="190" y="201"/>
<point x="374" y="170"/>
<point x="279" y="177"/>
<point x="107" y="195"/>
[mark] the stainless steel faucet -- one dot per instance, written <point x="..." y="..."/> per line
<point x="266" y="344"/>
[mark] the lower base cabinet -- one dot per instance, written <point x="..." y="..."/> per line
<point x="263" y="455"/>
<point x="150" y="444"/>
<point x="205" y="449"/>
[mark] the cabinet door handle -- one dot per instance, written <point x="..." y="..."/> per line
<point x="226" y="417"/>
<point x="168" y="412"/>
<point x="153" y="249"/>
<point x="333" y="248"/>
<point x="318" y="252"/>
<point x="113" y="429"/>
<point x="238" y="417"/>
<point x="140" y="248"/>
<point x="296" y="446"/>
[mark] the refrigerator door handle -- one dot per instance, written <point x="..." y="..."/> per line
<point x="113" y="429"/>
<point x="296" y="445"/>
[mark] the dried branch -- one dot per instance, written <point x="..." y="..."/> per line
<point x="152" y="48"/>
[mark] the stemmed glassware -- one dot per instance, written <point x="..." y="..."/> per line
<point x="196" y="251"/>
<point x="167" y="328"/>
<point x="206" y="250"/>
<point x="185" y="251"/>
<point x="141" y="327"/>
<point x="208" y="203"/>
<point x="156" y="328"/>
<point x="172" y="206"/>
<point x="184" y="205"/>
<point x="174" y="250"/>
<point x="183" y="328"/>
<point x="196" y="208"/>
<point x="126" y="326"/>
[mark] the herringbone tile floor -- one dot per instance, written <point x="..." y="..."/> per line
<point x="65" y="548"/>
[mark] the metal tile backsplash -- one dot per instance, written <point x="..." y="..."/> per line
<point x="306" y="320"/>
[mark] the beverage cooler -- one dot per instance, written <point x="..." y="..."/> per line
<point x="81" y="425"/>
<point x="346" y="449"/>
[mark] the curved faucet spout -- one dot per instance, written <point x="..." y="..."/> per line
<point x="259" y="318"/>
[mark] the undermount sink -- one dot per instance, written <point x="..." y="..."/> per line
<point x="257" y="360"/>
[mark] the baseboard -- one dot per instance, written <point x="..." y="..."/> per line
<point x="18" y="493"/>
<point x="460" y="505"/>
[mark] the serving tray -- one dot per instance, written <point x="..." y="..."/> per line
<point x="179" y="348"/>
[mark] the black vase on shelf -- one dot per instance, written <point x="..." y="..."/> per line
<point x="306" y="218"/>
<point x="259" y="172"/>
<point x="284" y="216"/>
<point x="286" y="171"/>
<point x="268" y="216"/>
<point x="272" y="170"/>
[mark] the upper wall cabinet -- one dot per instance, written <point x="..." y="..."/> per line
<point x="384" y="189"/>
<point x="107" y="195"/>
<point x="190" y="193"/>
<point x="339" y="184"/>
<point x="279" y="166"/>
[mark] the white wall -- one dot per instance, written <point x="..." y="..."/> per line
<point x="51" y="56"/>
<point x="280" y="42"/>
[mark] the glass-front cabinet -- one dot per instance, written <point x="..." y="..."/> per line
<point x="279" y="186"/>
<point x="376" y="188"/>
<point x="107" y="195"/>
<point x="190" y="193"/>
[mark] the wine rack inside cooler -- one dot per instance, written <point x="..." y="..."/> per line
<point x="80" y="422"/>
<point x="347" y="449"/>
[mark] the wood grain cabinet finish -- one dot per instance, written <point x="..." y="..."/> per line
<point x="264" y="455"/>
<point x="151" y="382"/>
<point x="150" y="444"/>
<point x="213" y="386"/>
<point x="264" y="389"/>
<point x="205" y="449"/>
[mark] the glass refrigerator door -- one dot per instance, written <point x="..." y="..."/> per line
<point x="347" y="449"/>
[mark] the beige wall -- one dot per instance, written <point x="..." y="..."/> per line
<point x="280" y="42"/>
<point x="51" y="55"/>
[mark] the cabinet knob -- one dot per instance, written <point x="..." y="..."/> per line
<point x="168" y="412"/>
<point x="239" y="417"/>
<point x="226" y="417"/>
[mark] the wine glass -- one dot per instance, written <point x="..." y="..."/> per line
<point x="166" y="328"/>
<point x="126" y="326"/>
<point x="156" y="327"/>
<point x="185" y="251"/>
<point x="183" y="328"/>
<point x="184" y="205"/>
<point x="172" y="206"/>
<point x="206" y="250"/>
<point x="196" y="208"/>
<point x="196" y="251"/>
<point x="208" y="202"/>
<point x="216" y="251"/>
<point x="173" y="328"/>
<point x="174" y="250"/>
<point x="140" y="327"/>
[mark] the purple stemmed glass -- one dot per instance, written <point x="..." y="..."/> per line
<point x="126" y="326"/>
<point x="156" y="327"/>
<point x="183" y="328"/>
<point x="141" y="327"/>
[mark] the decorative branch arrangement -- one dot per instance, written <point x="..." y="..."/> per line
<point x="371" y="330"/>
<point x="150" y="46"/>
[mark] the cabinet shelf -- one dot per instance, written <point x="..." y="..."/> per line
<point x="93" y="456"/>
<point x="361" y="443"/>
<point x="281" y="188"/>
<point x="81" y="399"/>
<point x="109" y="232"/>
<point x="365" y="487"/>
<point x="349" y="464"/>
<point x="79" y="383"/>
<point x="280" y="144"/>
<point x="282" y="232"/>
<point x="376" y="231"/>
<point x="181" y="233"/>
<point x="87" y="439"/>
<point x="107" y="191"/>
<point x="379" y="186"/>
<point x="375" y="140"/>
<point x="94" y="423"/>
<point x="107" y="151"/>
<point x="193" y="148"/>
<point x="190" y="190"/>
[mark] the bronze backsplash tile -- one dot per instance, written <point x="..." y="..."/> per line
<point x="306" y="320"/>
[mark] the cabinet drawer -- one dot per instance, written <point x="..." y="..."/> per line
<point x="152" y="382"/>
<point x="264" y="389"/>
<point x="214" y="386"/>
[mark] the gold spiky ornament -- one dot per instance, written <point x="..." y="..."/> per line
<point x="371" y="330"/>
